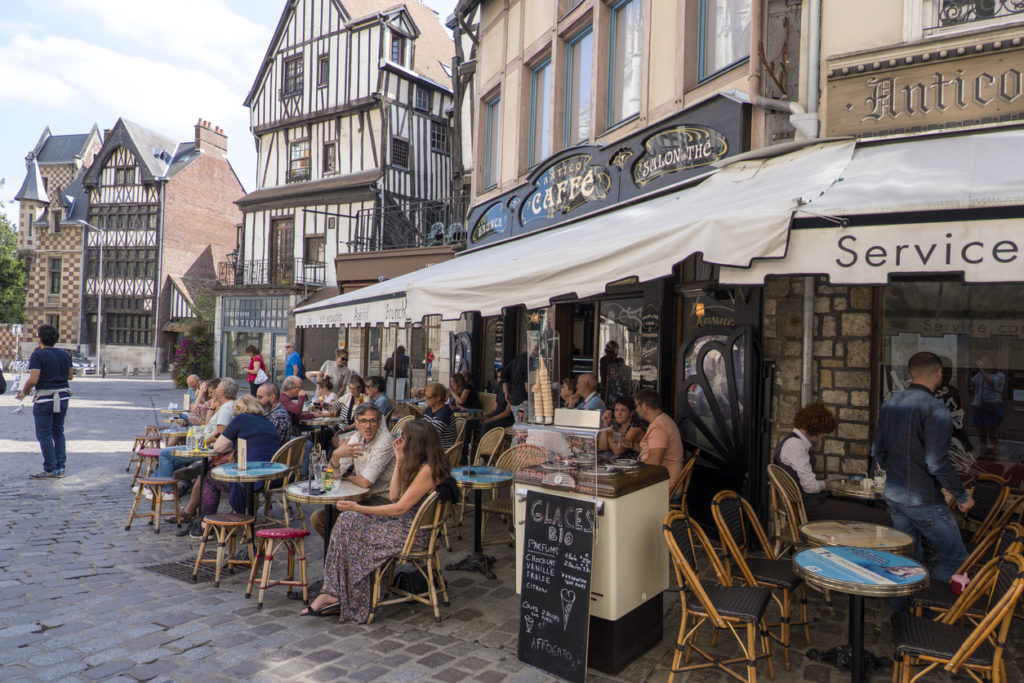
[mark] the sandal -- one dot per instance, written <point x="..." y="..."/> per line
<point x="323" y="610"/>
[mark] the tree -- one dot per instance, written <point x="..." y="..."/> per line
<point x="12" y="275"/>
<point x="194" y="353"/>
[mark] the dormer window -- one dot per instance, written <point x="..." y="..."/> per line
<point x="422" y="99"/>
<point x="397" y="48"/>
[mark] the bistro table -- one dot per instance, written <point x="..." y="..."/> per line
<point x="341" y="489"/>
<point x="479" y="479"/>
<point x="858" y="535"/>
<point x="254" y="472"/>
<point x="860" y="573"/>
<point x="854" y="488"/>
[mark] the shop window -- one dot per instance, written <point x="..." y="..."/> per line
<point x="540" y="112"/>
<point x="492" y="141"/>
<point x="625" y="61"/>
<point x="724" y="35"/>
<point x="578" y="81"/>
<point x="978" y="332"/>
<point x="623" y="359"/>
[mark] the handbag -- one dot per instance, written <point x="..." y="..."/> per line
<point x="261" y="377"/>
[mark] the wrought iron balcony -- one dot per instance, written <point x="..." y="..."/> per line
<point x="282" y="272"/>
<point x="410" y="225"/>
<point x="957" y="12"/>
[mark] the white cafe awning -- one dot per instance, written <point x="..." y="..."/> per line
<point x="943" y="204"/>
<point x="739" y="213"/>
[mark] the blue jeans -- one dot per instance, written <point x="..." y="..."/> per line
<point x="935" y="523"/>
<point x="168" y="463"/>
<point x="50" y="432"/>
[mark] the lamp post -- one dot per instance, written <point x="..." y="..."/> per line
<point x="100" y="292"/>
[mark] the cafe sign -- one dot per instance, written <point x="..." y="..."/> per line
<point x="927" y="91"/>
<point x="566" y="185"/>
<point x="677" y="149"/>
<point x="588" y="178"/>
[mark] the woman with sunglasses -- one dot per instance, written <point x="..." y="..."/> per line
<point x="365" y="536"/>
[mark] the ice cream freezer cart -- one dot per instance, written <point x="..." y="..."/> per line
<point x="630" y="559"/>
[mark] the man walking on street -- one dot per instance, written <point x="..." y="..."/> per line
<point x="293" y="364"/>
<point x="49" y="372"/>
<point x="912" y="445"/>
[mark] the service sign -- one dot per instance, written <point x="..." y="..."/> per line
<point x="586" y="179"/>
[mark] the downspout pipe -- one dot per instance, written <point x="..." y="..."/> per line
<point x="813" y="75"/>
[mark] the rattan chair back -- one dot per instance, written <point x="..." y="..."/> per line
<point x="787" y="503"/>
<point x="397" y="428"/>
<point x="740" y="530"/>
<point x="683" y="536"/>
<point x="518" y="457"/>
<point x="487" y="447"/>
<point x="998" y="541"/>
<point x="990" y="492"/>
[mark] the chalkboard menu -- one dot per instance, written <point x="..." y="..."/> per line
<point x="554" y="615"/>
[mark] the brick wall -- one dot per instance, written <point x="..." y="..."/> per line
<point x="67" y="246"/>
<point x="9" y="343"/>
<point x="842" y="365"/>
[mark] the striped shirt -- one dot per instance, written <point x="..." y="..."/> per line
<point x="443" y="420"/>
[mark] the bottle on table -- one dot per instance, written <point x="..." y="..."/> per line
<point x="328" y="476"/>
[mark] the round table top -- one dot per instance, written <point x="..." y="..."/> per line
<point x="340" y="490"/>
<point x="853" y="488"/>
<point x="321" y="421"/>
<point x="467" y="412"/>
<point x="171" y="432"/>
<point x="857" y="535"/>
<point x="859" y="571"/>
<point x="171" y="411"/>
<point x="182" y="452"/>
<point x="255" y="471"/>
<point x="481" y="477"/>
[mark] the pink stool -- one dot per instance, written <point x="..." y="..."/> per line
<point x="269" y="541"/>
<point x="150" y="456"/>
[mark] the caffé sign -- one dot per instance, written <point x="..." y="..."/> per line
<point x="567" y="185"/>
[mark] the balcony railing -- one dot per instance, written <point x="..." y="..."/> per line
<point x="410" y="225"/>
<point x="957" y="12"/>
<point x="277" y="273"/>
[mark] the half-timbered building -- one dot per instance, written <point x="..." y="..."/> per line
<point x="351" y="112"/>
<point x="48" y="239"/>
<point x="163" y="213"/>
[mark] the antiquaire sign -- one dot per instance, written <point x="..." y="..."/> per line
<point x="588" y="178"/>
<point x="977" y="85"/>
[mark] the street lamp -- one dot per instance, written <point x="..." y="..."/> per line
<point x="99" y="309"/>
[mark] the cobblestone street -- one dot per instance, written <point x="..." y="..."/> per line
<point x="78" y="603"/>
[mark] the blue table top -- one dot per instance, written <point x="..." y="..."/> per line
<point x="856" y="568"/>
<point x="481" y="475"/>
<point x="470" y="411"/>
<point x="254" y="469"/>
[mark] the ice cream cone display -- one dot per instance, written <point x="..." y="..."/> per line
<point x="568" y="598"/>
<point x="542" y="389"/>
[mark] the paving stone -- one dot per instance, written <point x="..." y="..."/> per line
<point x="450" y="675"/>
<point x="369" y="673"/>
<point x="108" y="669"/>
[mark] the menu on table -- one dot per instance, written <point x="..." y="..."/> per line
<point x="554" y="615"/>
<point x="859" y="565"/>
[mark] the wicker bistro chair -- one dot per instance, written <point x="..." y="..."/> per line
<point x="739" y="529"/>
<point x="291" y="455"/>
<point x="400" y="423"/>
<point x="405" y="410"/>
<point x="451" y="456"/>
<point x="420" y="550"/>
<point x="486" y="451"/>
<point x="513" y="460"/>
<point x="788" y="513"/>
<point x="939" y="596"/>
<point x="976" y="650"/>
<point x="725" y="606"/>
<point x="990" y="492"/>
<point x="682" y="486"/>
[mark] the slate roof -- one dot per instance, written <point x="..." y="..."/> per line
<point x="158" y="155"/>
<point x="76" y="200"/>
<point x="32" y="189"/>
<point x="62" y="149"/>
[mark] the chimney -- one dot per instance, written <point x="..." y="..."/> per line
<point x="106" y="134"/>
<point x="211" y="139"/>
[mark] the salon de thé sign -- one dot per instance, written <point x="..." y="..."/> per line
<point x="585" y="179"/>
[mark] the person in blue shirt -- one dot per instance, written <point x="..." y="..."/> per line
<point x="49" y="373"/>
<point x="293" y="364"/>
<point x="586" y="396"/>
<point x="375" y="392"/>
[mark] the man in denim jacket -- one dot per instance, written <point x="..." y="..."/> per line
<point x="912" y="443"/>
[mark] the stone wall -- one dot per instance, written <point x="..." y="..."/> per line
<point x="842" y="365"/>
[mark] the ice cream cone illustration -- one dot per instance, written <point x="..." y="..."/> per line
<point x="568" y="598"/>
<point x="529" y="622"/>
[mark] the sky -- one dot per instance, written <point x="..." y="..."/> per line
<point x="69" y="64"/>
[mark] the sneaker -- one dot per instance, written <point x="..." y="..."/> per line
<point x="148" y="495"/>
<point x="187" y="529"/>
<point x="60" y="472"/>
<point x="135" y="489"/>
<point x="44" y="475"/>
<point x="196" y="531"/>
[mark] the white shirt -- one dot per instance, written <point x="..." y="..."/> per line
<point x="796" y="454"/>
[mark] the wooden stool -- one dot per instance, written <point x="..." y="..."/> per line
<point x="149" y="456"/>
<point x="224" y="525"/>
<point x="156" y="486"/>
<point x="269" y="541"/>
<point x="148" y="441"/>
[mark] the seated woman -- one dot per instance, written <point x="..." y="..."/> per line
<point x="364" y="537"/>
<point x="464" y="394"/>
<point x="261" y="441"/>
<point x="439" y="414"/>
<point x="567" y="389"/>
<point x="344" y="407"/>
<point x="325" y="395"/>
<point x="626" y="430"/>
<point x="794" y="455"/>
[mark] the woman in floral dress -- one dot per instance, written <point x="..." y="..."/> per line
<point x="366" y="536"/>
